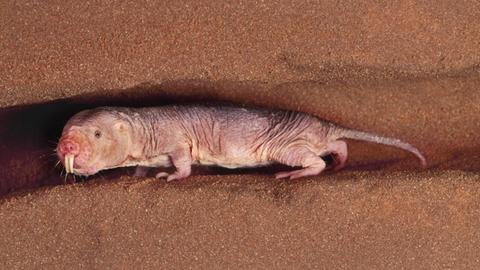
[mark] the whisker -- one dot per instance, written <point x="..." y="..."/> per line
<point x="47" y="164"/>
<point x="36" y="149"/>
<point x="61" y="173"/>
<point x="49" y="168"/>
<point x="52" y="142"/>
<point x="42" y="156"/>
<point x="47" y="157"/>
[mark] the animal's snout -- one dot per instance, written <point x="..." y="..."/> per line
<point x="69" y="146"/>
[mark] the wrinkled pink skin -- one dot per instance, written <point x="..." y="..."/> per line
<point x="230" y="137"/>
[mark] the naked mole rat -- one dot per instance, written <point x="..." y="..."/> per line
<point x="231" y="137"/>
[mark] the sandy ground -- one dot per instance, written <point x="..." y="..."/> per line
<point x="407" y="69"/>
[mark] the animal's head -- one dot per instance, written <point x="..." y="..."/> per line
<point x="93" y="140"/>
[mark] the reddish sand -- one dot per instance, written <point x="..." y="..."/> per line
<point x="407" y="69"/>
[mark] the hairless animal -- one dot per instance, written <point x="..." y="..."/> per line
<point x="226" y="136"/>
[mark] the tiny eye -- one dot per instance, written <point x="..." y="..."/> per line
<point x="98" y="134"/>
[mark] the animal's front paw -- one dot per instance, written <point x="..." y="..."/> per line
<point x="161" y="175"/>
<point x="171" y="177"/>
<point x="177" y="176"/>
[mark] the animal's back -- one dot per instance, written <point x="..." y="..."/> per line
<point x="235" y="137"/>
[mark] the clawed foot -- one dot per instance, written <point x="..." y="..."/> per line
<point x="171" y="177"/>
<point x="308" y="171"/>
<point x="161" y="175"/>
<point x="290" y="175"/>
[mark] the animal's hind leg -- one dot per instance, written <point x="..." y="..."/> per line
<point x="301" y="156"/>
<point x="339" y="150"/>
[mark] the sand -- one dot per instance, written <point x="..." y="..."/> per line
<point x="408" y="69"/>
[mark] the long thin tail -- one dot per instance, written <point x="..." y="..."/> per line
<point x="370" y="137"/>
